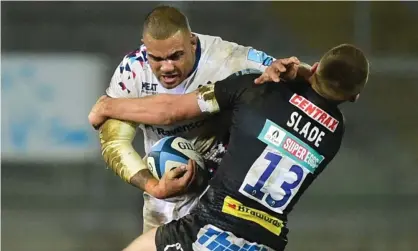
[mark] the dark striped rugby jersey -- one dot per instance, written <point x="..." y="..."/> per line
<point x="282" y="136"/>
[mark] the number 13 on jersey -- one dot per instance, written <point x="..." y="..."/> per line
<point x="273" y="180"/>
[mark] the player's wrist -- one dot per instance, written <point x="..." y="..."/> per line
<point x="153" y="187"/>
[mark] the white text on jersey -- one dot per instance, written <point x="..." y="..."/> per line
<point x="308" y="131"/>
<point x="314" y="112"/>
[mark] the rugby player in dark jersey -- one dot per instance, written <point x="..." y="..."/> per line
<point x="282" y="138"/>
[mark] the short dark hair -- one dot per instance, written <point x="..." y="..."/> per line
<point x="343" y="71"/>
<point x="164" y="21"/>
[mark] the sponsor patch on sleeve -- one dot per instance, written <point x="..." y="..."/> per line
<point x="259" y="57"/>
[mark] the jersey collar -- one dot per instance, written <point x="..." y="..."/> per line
<point x="318" y="98"/>
<point x="198" y="53"/>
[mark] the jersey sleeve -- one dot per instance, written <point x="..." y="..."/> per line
<point x="229" y="92"/>
<point x="124" y="79"/>
<point x="256" y="59"/>
<point x="244" y="57"/>
<point x="224" y="94"/>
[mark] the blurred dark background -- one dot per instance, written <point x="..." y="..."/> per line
<point x="58" y="57"/>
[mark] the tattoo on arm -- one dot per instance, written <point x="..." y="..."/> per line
<point x="141" y="178"/>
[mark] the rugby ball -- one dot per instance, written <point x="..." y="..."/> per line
<point x="169" y="153"/>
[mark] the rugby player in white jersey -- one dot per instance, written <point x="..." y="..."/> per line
<point x="172" y="60"/>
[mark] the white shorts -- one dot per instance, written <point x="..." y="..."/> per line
<point x="157" y="212"/>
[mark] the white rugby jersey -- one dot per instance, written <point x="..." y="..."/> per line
<point x="216" y="59"/>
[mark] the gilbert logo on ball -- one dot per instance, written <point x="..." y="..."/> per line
<point x="169" y="153"/>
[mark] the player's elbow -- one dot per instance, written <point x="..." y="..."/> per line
<point x="114" y="129"/>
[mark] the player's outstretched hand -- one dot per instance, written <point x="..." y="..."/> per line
<point x="286" y="68"/>
<point x="96" y="119"/>
<point x="177" y="181"/>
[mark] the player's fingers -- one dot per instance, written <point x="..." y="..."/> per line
<point x="101" y="98"/>
<point x="292" y="71"/>
<point x="295" y="60"/>
<point x="192" y="169"/>
<point x="96" y="121"/>
<point x="277" y="65"/>
<point x="262" y="79"/>
<point x="177" y="172"/>
<point x="93" y="120"/>
<point x="291" y="60"/>
<point x="97" y="125"/>
<point x="293" y="68"/>
<point x="174" y="180"/>
<point x="257" y="81"/>
<point x="189" y="175"/>
<point x="274" y="71"/>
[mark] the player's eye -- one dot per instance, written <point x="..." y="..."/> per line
<point x="154" y="58"/>
<point x="176" y="56"/>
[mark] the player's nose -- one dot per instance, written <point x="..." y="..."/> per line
<point x="167" y="66"/>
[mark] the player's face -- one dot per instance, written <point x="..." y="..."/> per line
<point x="171" y="59"/>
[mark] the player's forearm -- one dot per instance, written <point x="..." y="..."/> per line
<point x="117" y="150"/>
<point x="153" y="110"/>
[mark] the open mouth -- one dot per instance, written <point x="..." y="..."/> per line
<point x="168" y="79"/>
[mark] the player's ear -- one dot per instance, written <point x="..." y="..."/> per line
<point x="314" y="67"/>
<point x="193" y="40"/>
<point x="142" y="40"/>
<point x="355" y="98"/>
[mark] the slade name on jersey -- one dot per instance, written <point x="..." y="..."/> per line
<point x="307" y="129"/>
